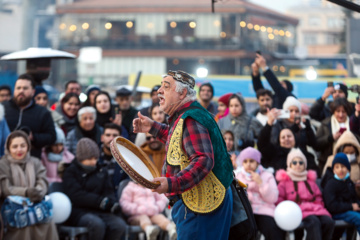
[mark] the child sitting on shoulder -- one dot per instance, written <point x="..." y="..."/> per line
<point x="262" y="192"/>
<point x="339" y="192"/>
<point x="299" y="185"/>
<point x="144" y="208"/>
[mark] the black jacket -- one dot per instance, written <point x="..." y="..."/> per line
<point x="86" y="190"/>
<point x="35" y="118"/>
<point x="338" y="195"/>
<point x="280" y="94"/>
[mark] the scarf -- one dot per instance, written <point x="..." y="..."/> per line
<point x="296" y="176"/>
<point x="87" y="169"/>
<point x="22" y="177"/>
<point x="103" y="118"/>
<point x="335" y="125"/>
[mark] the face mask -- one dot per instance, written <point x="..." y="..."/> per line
<point x="343" y="179"/>
<point x="55" y="157"/>
<point x="351" y="157"/>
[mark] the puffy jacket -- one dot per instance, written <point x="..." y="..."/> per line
<point x="262" y="197"/>
<point x="310" y="203"/>
<point x="138" y="200"/>
<point x="52" y="167"/>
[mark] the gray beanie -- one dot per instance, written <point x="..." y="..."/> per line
<point x="86" y="149"/>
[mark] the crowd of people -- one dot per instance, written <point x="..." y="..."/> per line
<point x="280" y="150"/>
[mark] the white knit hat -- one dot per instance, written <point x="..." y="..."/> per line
<point x="291" y="101"/>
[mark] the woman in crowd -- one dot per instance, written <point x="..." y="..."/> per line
<point x="86" y="127"/>
<point x="230" y="147"/>
<point x="155" y="114"/>
<point x="245" y="128"/>
<point x="56" y="157"/>
<point x="107" y="113"/>
<point x="275" y="155"/>
<point x="89" y="188"/>
<point x="223" y="106"/>
<point x="299" y="185"/>
<point x="332" y="128"/>
<point x="91" y="91"/>
<point x="68" y="108"/>
<point x="262" y="191"/>
<point x="24" y="175"/>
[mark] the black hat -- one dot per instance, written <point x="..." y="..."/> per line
<point x="123" y="92"/>
<point x="155" y="88"/>
<point x="341" y="158"/>
<point x="342" y="87"/>
<point x="40" y="89"/>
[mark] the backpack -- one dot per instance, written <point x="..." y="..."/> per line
<point x="243" y="224"/>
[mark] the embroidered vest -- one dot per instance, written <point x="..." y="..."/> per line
<point x="209" y="194"/>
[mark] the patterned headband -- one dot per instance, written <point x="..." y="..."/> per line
<point x="183" y="77"/>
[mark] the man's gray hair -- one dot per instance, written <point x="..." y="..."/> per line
<point x="191" y="93"/>
<point x="86" y="110"/>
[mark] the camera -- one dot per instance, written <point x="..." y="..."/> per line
<point x="355" y="88"/>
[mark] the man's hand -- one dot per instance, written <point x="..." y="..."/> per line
<point x="255" y="69"/>
<point x="355" y="206"/>
<point x="117" y="120"/>
<point x="164" y="187"/>
<point x="260" y="61"/>
<point x="328" y="91"/>
<point x="142" y="124"/>
<point x="272" y="115"/>
<point x="337" y="135"/>
<point x="357" y="109"/>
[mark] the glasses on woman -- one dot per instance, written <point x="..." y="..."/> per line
<point x="297" y="162"/>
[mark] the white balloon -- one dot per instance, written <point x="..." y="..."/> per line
<point x="288" y="215"/>
<point x="61" y="206"/>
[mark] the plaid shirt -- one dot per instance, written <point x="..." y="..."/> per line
<point x="196" y="144"/>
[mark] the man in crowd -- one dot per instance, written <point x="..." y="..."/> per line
<point x="5" y="93"/>
<point x="282" y="89"/>
<point x="21" y="113"/>
<point x="154" y="100"/>
<point x="319" y="110"/>
<point x="206" y="94"/>
<point x="265" y="101"/>
<point x="128" y="113"/>
<point x="106" y="160"/>
<point x="72" y="86"/>
<point x="155" y="149"/>
<point x="196" y="161"/>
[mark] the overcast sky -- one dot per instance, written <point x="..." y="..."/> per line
<point x="278" y="5"/>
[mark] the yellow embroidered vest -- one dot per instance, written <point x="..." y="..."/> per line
<point x="208" y="195"/>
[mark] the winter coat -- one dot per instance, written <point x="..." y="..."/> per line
<point x="309" y="203"/>
<point x="52" y="167"/>
<point x="76" y="134"/>
<point x="35" y="118"/>
<point x="325" y="141"/>
<point x="273" y="155"/>
<point x="137" y="200"/>
<point x="346" y="138"/>
<point x="4" y="130"/>
<point x="262" y="197"/>
<point x="86" y="190"/>
<point x="66" y="123"/>
<point x="339" y="195"/>
<point x="244" y="127"/>
<point x="157" y="157"/>
<point x="280" y="93"/>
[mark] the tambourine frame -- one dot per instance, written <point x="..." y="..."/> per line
<point x="128" y="169"/>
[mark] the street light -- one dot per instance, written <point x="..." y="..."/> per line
<point x="311" y="74"/>
<point x="202" y="72"/>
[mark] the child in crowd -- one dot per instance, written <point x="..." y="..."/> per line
<point x="55" y="157"/>
<point x="299" y="185"/>
<point x="229" y="141"/>
<point x="262" y="192"/>
<point x="144" y="207"/>
<point x="339" y="192"/>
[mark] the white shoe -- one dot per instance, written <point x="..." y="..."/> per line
<point x="172" y="232"/>
<point x="152" y="232"/>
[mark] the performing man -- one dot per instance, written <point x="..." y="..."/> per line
<point x="197" y="172"/>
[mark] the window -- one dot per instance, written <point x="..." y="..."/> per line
<point x="335" y="22"/>
<point x="314" y="21"/>
<point x="310" y="39"/>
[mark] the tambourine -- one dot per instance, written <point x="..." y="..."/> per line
<point x="134" y="162"/>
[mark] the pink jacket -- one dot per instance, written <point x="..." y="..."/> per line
<point x="52" y="167"/>
<point x="138" y="200"/>
<point x="262" y="197"/>
<point x="310" y="204"/>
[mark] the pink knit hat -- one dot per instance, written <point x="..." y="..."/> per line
<point x="249" y="153"/>
<point x="295" y="152"/>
